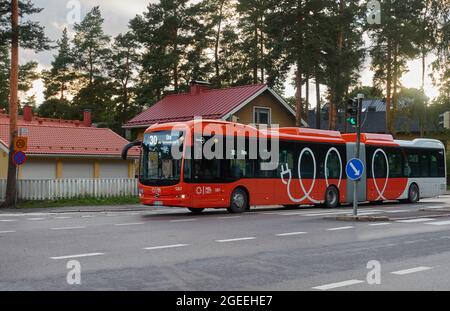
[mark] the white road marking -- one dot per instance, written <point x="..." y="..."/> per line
<point x="324" y="214"/>
<point x="8" y="220"/>
<point x="435" y="207"/>
<point x="291" y="233"/>
<point x="338" y="284"/>
<point x="165" y="246"/>
<point x="130" y="224"/>
<point x="7" y="232"/>
<point x="68" y="228"/>
<point x="77" y="256"/>
<point x="412" y="270"/>
<point x="380" y="224"/>
<point x="184" y="220"/>
<point x="35" y="218"/>
<point x="340" y="228"/>
<point x="234" y="240"/>
<point x="229" y="217"/>
<point x="63" y="217"/>
<point x="397" y="211"/>
<point x="415" y="220"/>
<point x="88" y="216"/>
<point x="439" y="223"/>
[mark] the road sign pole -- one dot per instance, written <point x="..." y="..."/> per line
<point x="357" y="153"/>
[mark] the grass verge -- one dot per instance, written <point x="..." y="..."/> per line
<point x="83" y="201"/>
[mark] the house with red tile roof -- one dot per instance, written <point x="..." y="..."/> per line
<point x="248" y="104"/>
<point x="66" y="149"/>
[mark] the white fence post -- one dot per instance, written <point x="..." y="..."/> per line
<point x="53" y="189"/>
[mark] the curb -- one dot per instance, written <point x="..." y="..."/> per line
<point x="358" y="218"/>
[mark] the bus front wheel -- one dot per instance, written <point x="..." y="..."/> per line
<point x="331" y="197"/>
<point x="239" y="201"/>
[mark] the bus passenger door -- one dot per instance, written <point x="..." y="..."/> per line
<point x="362" y="184"/>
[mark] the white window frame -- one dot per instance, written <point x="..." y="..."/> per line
<point x="261" y="107"/>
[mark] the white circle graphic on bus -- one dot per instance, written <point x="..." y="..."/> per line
<point x="380" y="193"/>
<point x="307" y="194"/>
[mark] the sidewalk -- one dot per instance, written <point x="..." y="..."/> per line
<point x="75" y="209"/>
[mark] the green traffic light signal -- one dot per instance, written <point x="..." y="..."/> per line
<point x="351" y="120"/>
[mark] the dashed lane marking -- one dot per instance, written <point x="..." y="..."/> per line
<point x="439" y="223"/>
<point x="68" y="228"/>
<point x="412" y="270"/>
<point x="130" y="224"/>
<point x="77" y="256"/>
<point x="380" y="224"/>
<point x="338" y="284"/>
<point x="291" y="233"/>
<point x="184" y="220"/>
<point x="236" y="239"/>
<point x="340" y="228"/>
<point x="165" y="246"/>
<point x="415" y="220"/>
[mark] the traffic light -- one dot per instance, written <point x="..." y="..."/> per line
<point x="352" y="111"/>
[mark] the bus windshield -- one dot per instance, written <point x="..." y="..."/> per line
<point x="159" y="166"/>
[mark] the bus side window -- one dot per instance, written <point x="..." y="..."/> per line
<point x="424" y="164"/>
<point x="434" y="166"/>
<point x="413" y="164"/>
<point x="395" y="164"/>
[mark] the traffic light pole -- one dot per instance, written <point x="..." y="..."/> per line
<point x="357" y="153"/>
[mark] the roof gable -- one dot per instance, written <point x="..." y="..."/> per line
<point x="209" y="104"/>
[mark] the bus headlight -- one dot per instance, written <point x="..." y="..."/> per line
<point x="183" y="196"/>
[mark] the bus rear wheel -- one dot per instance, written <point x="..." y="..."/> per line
<point x="413" y="194"/>
<point x="196" y="210"/>
<point x="331" y="197"/>
<point x="239" y="201"/>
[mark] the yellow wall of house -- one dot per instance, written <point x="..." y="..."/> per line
<point x="48" y="167"/>
<point x="3" y="164"/>
<point x="280" y="115"/>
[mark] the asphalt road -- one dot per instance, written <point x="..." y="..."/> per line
<point x="268" y="248"/>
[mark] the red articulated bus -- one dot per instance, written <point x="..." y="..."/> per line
<point x="218" y="164"/>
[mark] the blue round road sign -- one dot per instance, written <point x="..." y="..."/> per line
<point x="354" y="169"/>
<point x="19" y="158"/>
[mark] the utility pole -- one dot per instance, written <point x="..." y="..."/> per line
<point x="357" y="152"/>
<point x="11" y="186"/>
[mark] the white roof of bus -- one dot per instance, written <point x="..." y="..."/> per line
<point x="421" y="143"/>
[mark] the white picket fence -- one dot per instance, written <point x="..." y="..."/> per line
<point x="52" y="189"/>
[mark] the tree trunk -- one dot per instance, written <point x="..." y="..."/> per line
<point x="255" y="60"/>
<point x="318" y="105"/>
<point x="298" y="97"/>
<point x="394" y="92"/>
<point x="10" y="200"/>
<point x="388" y="87"/>
<point x="306" y="106"/>
<point x="217" y="44"/>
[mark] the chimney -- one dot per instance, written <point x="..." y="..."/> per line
<point x="198" y="86"/>
<point x="87" y="119"/>
<point x="27" y="113"/>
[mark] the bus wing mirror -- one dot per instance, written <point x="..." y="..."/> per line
<point x="128" y="147"/>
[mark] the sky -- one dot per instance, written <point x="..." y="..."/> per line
<point x="58" y="14"/>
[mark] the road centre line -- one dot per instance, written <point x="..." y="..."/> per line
<point x="415" y="220"/>
<point x="235" y="240"/>
<point x="229" y="217"/>
<point x="77" y="256"/>
<point x="35" y="219"/>
<point x="184" y="220"/>
<point x="290" y="233"/>
<point x="380" y="224"/>
<point x="165" y="246"/>
<point x="439" y="223"/>
<point x="412" y="270"/>
<point x="340" y="228"/>
<point x="338" y="284"/>
<point x="8" y="220"/>
<point x="129" y="224"/>
<point x="1" y="232"/>
<point x="68" y="228"/>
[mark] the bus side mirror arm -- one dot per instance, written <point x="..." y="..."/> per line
<point x="128" y="147"/>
